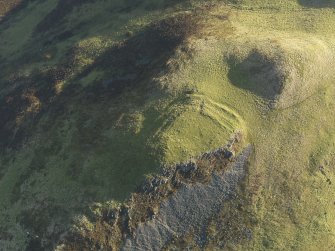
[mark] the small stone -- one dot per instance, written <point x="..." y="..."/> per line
<point x="228" y="154"/>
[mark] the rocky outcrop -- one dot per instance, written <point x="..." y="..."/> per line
<point x="189" y="208"/>
<point x="180" y="202"/>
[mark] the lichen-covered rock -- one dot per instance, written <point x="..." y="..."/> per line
<point x="189" y="208"/>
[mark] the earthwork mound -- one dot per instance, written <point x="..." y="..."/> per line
<point x="259" y="74"/>
<point x="283" y="72"/>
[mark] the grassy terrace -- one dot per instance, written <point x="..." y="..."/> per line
<point x="95" y="95"/>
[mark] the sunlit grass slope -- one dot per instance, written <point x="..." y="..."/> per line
<point x="97" y="94"/>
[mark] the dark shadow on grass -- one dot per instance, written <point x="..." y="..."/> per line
<point x="317" y="3"/>
<point x="32" y="105"/>
<point x="55" y="19"/>
<point x="257" y="74"/>
<point x="131" y="64"/>
<point x="136" y="60"/>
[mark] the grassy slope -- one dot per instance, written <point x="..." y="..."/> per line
<point x="294" y="203"/>
<point x="75" y="161"/>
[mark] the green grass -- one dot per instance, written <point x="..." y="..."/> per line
<point x="20" y="30"/>
<point x="100" y="151"/>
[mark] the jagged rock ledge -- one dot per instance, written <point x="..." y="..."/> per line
<point x="178" y="202"/>
<point x="189" y="208"/>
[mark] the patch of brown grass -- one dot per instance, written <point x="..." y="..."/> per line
<point x="6" y="6"/>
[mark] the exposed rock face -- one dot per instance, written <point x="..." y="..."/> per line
<point x="181" y="203"/>
<point x="189" y="208"/>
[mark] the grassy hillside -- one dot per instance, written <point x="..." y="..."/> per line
<point x="95" y="95"/>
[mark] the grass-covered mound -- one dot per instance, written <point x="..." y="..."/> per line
<point x="97" y="94"/>
<point x="278" y="70"/>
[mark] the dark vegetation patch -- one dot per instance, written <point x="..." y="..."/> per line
<point x="318" y="3"/>
<point x="12" y="107"/>
<point x="131" y="64"/>
<point x="9" y="9"/>
<point x="144" y="55"/>
<point x="31" y="104"/>
<point x="257" y="73"/>
<point x="37" y="221"/>
<point x="22" y="107"/>
<point x="166" y="4"/>
<point x="55" y="18"/>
